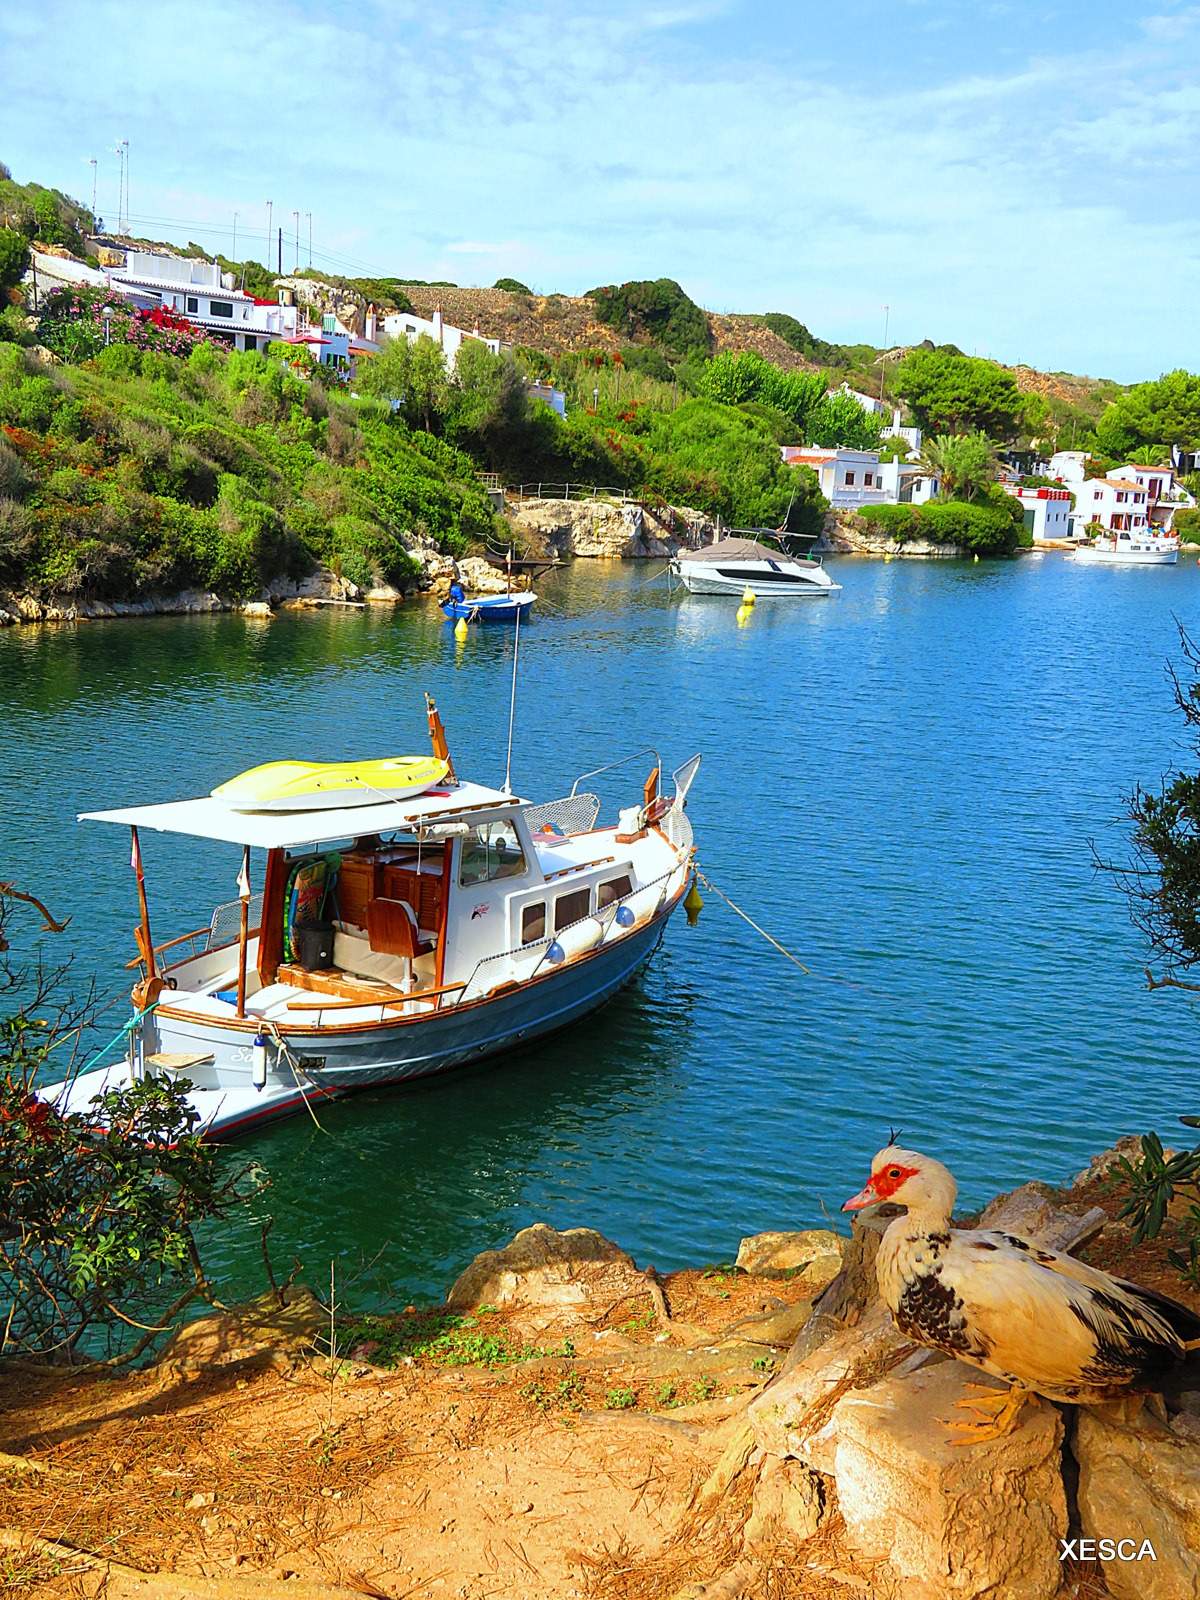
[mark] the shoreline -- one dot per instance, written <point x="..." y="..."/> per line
<point x="567" y="1424"/>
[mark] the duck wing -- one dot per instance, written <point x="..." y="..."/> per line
<point x="1056" y="1324"/>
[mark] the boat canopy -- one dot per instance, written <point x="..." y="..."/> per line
<point x="207" y="818"/>
<point x="735" y="550"/>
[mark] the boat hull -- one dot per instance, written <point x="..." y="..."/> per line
<point x="1088" y="556"/>
<point x="697" y="578"/>
<point x="490" y="608"/>
<point x="340" y="1059"/>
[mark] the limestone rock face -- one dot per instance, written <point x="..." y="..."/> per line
<point x="603" y="528"/>
<point x="1129" y="1146"/>
<point x="814" y="1256"/>
<point x="1029" y="1213"/>
<point x="542" y="1267"/>
<point x="789" y="1502"/>
<point x="1139" y="1480"/>
<point x="800" y="1402"/>
<point x="477" y="576"/>
<point x="955" y="1522"/>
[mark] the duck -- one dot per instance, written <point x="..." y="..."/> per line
<point x="1042" y="1322"/>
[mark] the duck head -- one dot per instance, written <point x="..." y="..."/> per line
<point x="908" y="1179"/>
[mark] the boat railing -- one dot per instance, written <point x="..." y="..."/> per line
<point x="574" y="813"/>
<point x="226" y="924"/>
<point x="596" y="771"/>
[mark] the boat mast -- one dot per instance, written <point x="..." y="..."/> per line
<point x="512" y="703"/>
<point x="146" y="941"/>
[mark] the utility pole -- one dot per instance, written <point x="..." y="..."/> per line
<point x="119" y="150"/>
<point x="94" y="166"/>
<point x="296" y="216"/>
<point x="269" y="231"/>
<point x="887" y="313"/>
<point x="125" y="142"/>
<point x="309" y="216"/>
<point x="279" y="264"/>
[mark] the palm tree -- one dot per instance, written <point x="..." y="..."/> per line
<point x="966" y="463"/>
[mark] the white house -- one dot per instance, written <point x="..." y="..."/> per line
<point x="1047" y="511"/>
<point x="1115" y="503"/>
<point x="407" y="325"/>
<point x="1164" y="497"/>
<point x="876" y="408"/>
<point x="1068" y="466"/>
<point x="198" y="292"/>
<point x="851" y="478"/>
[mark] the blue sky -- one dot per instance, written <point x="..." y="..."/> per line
<point x="1017" y="178"/>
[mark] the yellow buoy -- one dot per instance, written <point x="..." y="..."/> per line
<point x="744" y="613"/>
<point x="693" y="904"/>
<point x="977" y="558"/>
<point x="748" y="596"/>
<point x="887" y="557"/>
<point x="460" y="629"/>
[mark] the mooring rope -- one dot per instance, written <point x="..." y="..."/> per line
<point x="821" y="977"/>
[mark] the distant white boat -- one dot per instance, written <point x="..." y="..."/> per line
<point x="1124" y="549"/>
<point x="731" y="566"/>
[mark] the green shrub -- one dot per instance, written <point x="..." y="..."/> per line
<point x="988" y="529"/>
<point x="657" y="310"/>
<point x="512" y="285"/>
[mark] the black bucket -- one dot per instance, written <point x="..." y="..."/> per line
<point x="314" y="945"/>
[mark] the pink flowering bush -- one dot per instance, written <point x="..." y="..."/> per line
<point x="72" y="325"/>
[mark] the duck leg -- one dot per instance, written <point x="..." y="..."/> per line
<point x="999" y="1410"/>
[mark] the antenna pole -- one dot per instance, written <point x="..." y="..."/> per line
<point x="512" y="704"/>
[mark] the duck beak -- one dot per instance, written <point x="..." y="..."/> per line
<point x="866" y="1197"/>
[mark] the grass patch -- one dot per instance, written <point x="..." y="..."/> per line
<point x="436" y="1337"/>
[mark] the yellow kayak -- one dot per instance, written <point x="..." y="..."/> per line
<point x="326" y="785"/>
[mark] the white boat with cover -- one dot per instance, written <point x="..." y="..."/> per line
<point x="393" y="939"/>
<point x="731" y="566"/>
<point x="1125" y="549"/>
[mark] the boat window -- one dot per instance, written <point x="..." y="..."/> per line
<point x="533" y="922"/>
<point x="490" y="850"/>
<point x="613" y="889"/>
<point x="573" y="907"/>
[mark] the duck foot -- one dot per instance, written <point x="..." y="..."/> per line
<point x="1000" y="1410"/>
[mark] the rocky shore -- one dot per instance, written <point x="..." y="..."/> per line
<point x="568" y="1424"/>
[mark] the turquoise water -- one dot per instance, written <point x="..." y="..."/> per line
<point x="900" y="783"/>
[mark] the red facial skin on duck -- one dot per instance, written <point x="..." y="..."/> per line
<point x="880" y="1186"/>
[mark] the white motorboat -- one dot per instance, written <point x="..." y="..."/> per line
<point x="391" y="940"/>
<point x="731" y="566"/>
<point x="1122" y="548"/>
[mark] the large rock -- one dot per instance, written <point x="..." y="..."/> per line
<point x="262" y="1331"/>
<point x="604" y="528"/>
<point x="813" y="1256"/>
<point x="1140" y="1480"/>
<point x="800" y="1402"/>
<point x="956" y="1522"/>
<point x="478" y="576"/>
<point x="1030" y="1213"/>
<point x="1128" y="1147"/>
<point x="542" y="1267"/>
<point x="855" y="1289"/>
<point x="789" y="1502"/>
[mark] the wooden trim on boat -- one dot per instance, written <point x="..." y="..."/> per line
<point x="252" y="1024"/>
<point x="580" y="866"/>
<point x="170" y="945"/>
<point x="439" y="970"/>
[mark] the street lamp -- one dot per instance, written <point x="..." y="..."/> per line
<point x="108" y="314"/>
<point x="595" y="399"/>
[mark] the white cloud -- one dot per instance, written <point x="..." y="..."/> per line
<point x="1036" y="208"/>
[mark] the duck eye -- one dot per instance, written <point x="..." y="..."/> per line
<point x="893" y="1172"/>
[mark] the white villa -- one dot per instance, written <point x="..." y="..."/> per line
<point x="407" y="325"/>
<point x="1047" y="511"/>
<point x="853" y="478"/>
<point x="199" y="292"/>
<point x="1115" y="503"/>
<point x="1164" y="497"/>
<point x="876" y="408"/>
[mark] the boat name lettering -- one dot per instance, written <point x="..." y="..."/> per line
<point x="481" y="910"/>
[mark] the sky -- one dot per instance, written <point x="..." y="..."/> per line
<point x="1017" y="179"/>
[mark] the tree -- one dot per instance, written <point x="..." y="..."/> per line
<point x="966" y="464"/>
<point x="802" y="342"/>
<point x="412" y="374"/>
<point x="1163" y="413"/>
<point x="512" y="285"/>
<point x="1162" y="881"/>
<point x="657" y="310"/>
<point x="839" y="421"/>
<point x="14" y="259"/>
<point x="732" y="379"/>
<point x="960" y="394"/>
<point x="97" y="1212"/>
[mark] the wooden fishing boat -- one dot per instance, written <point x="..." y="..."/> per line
<point x="392" y="940"/>
<point x="490" y="607"/>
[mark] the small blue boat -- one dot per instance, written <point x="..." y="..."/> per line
<point x="489" y="607"/>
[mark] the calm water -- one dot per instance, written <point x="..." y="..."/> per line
<point x="901" y="783"/>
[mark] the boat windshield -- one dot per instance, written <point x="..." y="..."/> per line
<point x="490" y="850"/>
